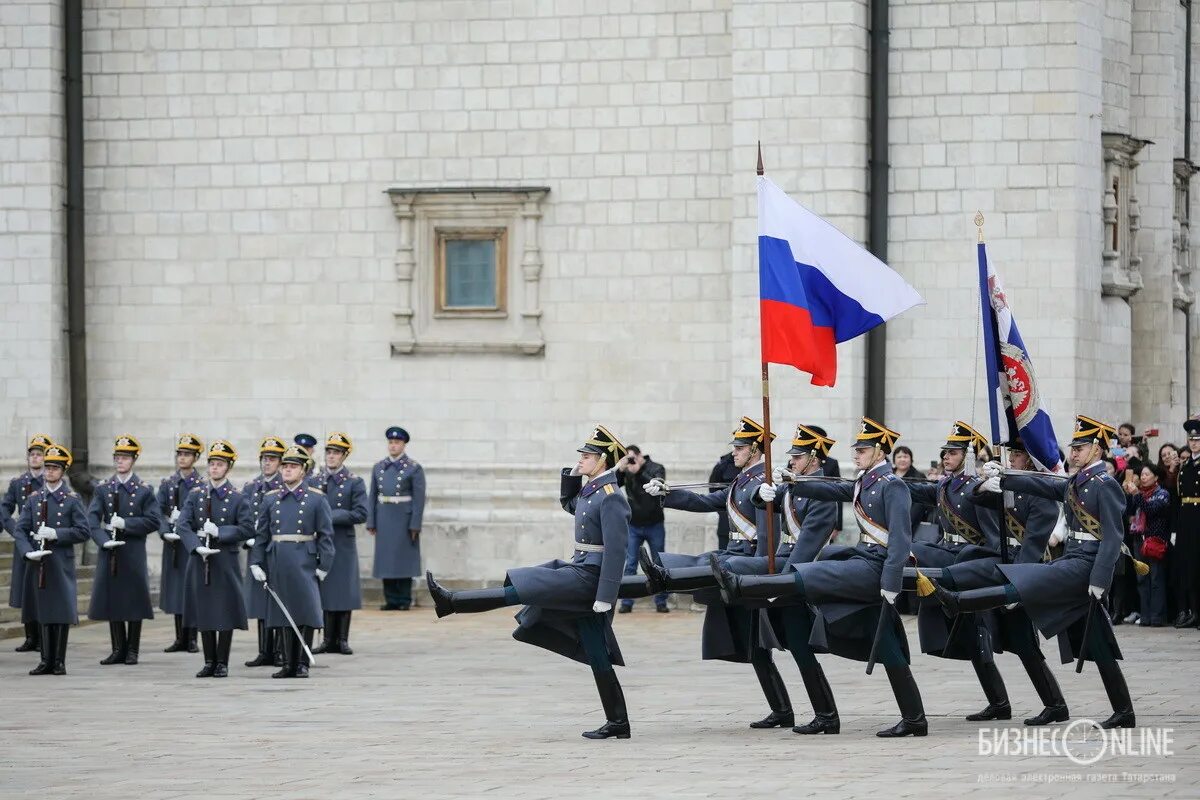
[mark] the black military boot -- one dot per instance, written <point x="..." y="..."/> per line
<point x="47" y="651"/>
<point x="633" y="587"/>
<point x="209" y="638"/>
<point x="33" y="639"/>
<point x="820" y="694"/>
<point x="464" y="601"/>
<point x="1118" y="696"/>
<point x="955" y="603"/>
<point x="908" y="698"/>
<point x="116" y="634"/>
<point x="284" y="637"/>
<point x="189" y="635"/>
<point x="298" y="654"/>
<point x="179" y="645"/>
<point x="735" y="587"/>
<point x="343" y="637"/>
<point x="58" y="664"/>
<point x="224" y="642"/>
<point x="616" y="724"/>
<point x="1051" y="695"/>
<point x="134" y="642"/>
<point x="263" y="659"/>
<point x="328" y="632"/>
<point x="279" y="643"/>
<point x="773" y="689"/>
<point x="994" y="690"/>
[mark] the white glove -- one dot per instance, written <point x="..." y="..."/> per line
<point x="889" y="596"/>
<point x="250" y="542"/>
<point x="117" y="523"/>
<point x="1172" y="539"/>
<point x="171" y="536"/>
<point x="990" y="469"/>
<point x="209" y="528"/>
<point x="766" y="491"/>
<point x="777" y="474"/>
<point x="111" y="543"/>
<point x="601" y="608"/>
<point x="656" y="487"/>
<point x="575" y="473"/>
<point x="1011" y="606"/>
<point x="175" y="515"/>
<point x="321" y="574"/>
<point x="205" y="552"/>
<point x="991" y="484"/>
<point x="1096" y="592"/>
<point x="36" y="555"/>
<point x="257" y="573"/>
<point x="46" y="534"/>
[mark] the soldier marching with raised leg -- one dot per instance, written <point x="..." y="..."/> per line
<point x="123" y="512"/>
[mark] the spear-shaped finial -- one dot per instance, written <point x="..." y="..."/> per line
<point x="979" y="224"/>
<point x="760" y="166"/>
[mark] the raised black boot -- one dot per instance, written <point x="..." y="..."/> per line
<point x="46" y="641"/>
<point x="343" y="637"/>
<point x="284" y="639"/>
<point x="328" y="632"/>
<point x="992" y="683"/>
<point x="33" y="639"/>
<point x="1118" y="696"/>
<point x="298" y="654"/>
<point x="464" y="601"/>
<point x="633" y="587"/>
<point x="735" y="587"/>
<point x="180" y="644"/>
<point x="116" y="634"/>
<point x="820" y="694"/>
<point x="773" y="689"/>
<point x="209" y="638"/>
<point x="133" y="642"/>
<point x="1048" y="690"/>
<point x="908" y="698"/>
<point x="58" y="664"/>
<point x="616" y="724"/>
<point x="224" y="642"/>
<point x="263" y="659"/>
<point x="955" y="603"/>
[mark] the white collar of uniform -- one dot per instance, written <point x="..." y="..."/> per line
<point x="1094" y="463"/>
<point x="36" y="473"/>
<point x="54" y="488"/>
<point x="881" y="464"/>
<point x="218" y="485"/>
<point x="397" y="458"/>
<point x="299" y="485"/>
<point x="124" y="479"/>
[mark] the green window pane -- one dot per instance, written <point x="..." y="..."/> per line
<point x="471" y="273"/>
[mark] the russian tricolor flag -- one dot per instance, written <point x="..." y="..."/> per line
<point x="817" y="287"/>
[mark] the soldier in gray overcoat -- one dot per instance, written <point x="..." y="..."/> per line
<point x="395" y="508"/>
<point x="845" y="585"/>
<point x="341" y="592"/>
<point x="569" y="604"/>
<point x="171" y="493"/>
<point x="293" y="552"/>
<point x="52" y="522"/>
<point x="123" y="512"/>
<point x="731" y="631"/>
<point x="1063" y="597"/>
<point x="19" y="490"/>
<point x="270" y="648"/>
<point x="214" y="522"/>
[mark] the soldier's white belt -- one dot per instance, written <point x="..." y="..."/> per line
<point x="584" y="547"/>
<point x="292" y="537"/>
<point x="1017" y="543"/>
<point x="737" y="535"/>
<point x="1082" y="536"/>
<point x="954" y="538"/>
<point x="399" y="498"/>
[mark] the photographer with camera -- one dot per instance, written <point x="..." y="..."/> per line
<point x="1131" y="451"/>
<point x="646" y="520"/>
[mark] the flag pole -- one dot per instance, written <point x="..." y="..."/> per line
<point x="1009" y="502"/>
<point x="766" y="400"/>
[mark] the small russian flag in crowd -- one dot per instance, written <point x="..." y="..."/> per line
<point x="817" y="287"/>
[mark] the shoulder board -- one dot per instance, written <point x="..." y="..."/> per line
<point x="73" y="494"/>
<point x="891" y="476"/>
<point x="609" y="488"/>
<point x="315" y="489"/>
<point x="195" y="489"/>
<point x="273" y="491"/>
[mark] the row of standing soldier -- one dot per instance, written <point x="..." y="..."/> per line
<point x="296" y="526"/>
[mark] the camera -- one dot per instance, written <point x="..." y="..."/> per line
<point x="631" y="459"/>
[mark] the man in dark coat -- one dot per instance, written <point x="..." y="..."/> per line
<point x="270" y="648"/>
<point x="123" y="512"/>
<point x="341" y="591"/>
<point x="635" y="470"/>
<point x="395" y="509"/>
<point x="19" y="490"/>
<point x="569" y="604"/>
<point x="171" y="493"/>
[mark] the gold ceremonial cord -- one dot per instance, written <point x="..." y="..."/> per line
<point x="960" y="525"/>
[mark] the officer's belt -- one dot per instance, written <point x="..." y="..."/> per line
<point x="586" y="547"/>
<point x="399" y="498"/>
<point x="954" y="538"/>
<point x="1082" y="536"/>
<point x="292" y="537"/>
<point x="1190" y="501"/>
<point x="1017" y="543"/>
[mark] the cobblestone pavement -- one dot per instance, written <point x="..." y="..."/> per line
<point x="456" y="708"/>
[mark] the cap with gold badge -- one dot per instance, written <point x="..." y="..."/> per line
<point x="749" y="432"/>
<point x="1092" y="431"/>
<point x="603" y="442"/>
<point x="271" y="446"/>
<point x="807" y="441"/>
<point x="126" y="445"/>
<point x="39" y="441"/>
<point x="189" y="443"/>
<point x="339" y="441"/>
<point x="223" y="450"/>
<point x="59" y="456"/>
<point x="875" y="434"/>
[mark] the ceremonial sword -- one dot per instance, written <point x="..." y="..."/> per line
<point x="311" y="661"/>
